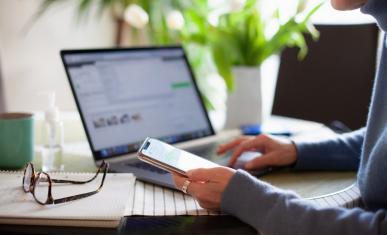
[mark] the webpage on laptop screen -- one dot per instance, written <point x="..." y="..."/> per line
<point x="125" y="96"/>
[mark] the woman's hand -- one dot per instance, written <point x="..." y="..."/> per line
<point x="207" y="185"/>
<point x="275" y="151"/>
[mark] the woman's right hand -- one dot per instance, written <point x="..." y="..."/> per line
<point x="275" y="151"/>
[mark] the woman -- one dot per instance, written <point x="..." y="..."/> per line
<point x="274" y="211"/>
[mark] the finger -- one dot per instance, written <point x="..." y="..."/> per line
<point x="260" y="162"/>
<point x="200" y="174"/>
<point x="195" y="188"/>
<point x="256" y="143"/>
<point x="202" y="193"/>
<point x="179" y="180"/>
<point x="226" y="147"/>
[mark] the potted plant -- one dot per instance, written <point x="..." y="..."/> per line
<point x="240" y="41"/>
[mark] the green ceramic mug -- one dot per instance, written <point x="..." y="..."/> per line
<point x="16" y="140"/>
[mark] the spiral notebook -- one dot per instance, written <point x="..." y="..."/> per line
<point x="104" y="209"/>
<point x="120" y="196"/>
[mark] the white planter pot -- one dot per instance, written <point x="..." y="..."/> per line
<point x="244" y="105"/>
<point x="218" y="119"/>
<point x="214" y="88"/>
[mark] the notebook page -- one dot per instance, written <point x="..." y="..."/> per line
<point x="105" y="205"/>
<point x="348" y="197"/>
<point x="159" y="201"/>
<point x="170" y="208"/>
<point x="153" y="200"/>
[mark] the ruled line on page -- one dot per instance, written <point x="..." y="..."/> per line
<point x="159" y="201"/>
<point x="180" y="203"/>
<point x="149" y="195"/>
<point x="169" y="202"/>
<point x="138" y="198"/>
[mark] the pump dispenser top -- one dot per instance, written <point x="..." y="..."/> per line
<point x="52" y="112"/>
<point x="53" y="137"/>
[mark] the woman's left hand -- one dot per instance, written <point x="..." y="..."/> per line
<point x="207" y="185"/>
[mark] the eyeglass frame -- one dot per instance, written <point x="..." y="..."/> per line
<point x="50" y="200"/>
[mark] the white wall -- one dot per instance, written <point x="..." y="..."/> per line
<point x="30" y="59"/>
<point x="327" y="15"/>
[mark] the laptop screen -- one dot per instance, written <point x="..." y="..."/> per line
<point x="125" y="95"/>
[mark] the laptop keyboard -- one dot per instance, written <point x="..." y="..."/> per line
<point x="204" y="151"/>
<point x="148" y="167"/>
<point x="209" y="152"/>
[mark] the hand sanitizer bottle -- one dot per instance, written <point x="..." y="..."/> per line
<point x="53" y="138"/>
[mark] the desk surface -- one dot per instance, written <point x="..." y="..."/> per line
<point x="306" y="184"/>
<point x="167" y="225"/>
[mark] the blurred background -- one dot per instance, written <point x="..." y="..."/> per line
<point x="32" y="33"/>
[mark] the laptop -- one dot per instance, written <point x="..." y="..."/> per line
<point x="126" y="95"/>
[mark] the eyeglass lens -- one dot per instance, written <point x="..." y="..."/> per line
<point x="41" y="188"/>
<point x="27" y="178"/>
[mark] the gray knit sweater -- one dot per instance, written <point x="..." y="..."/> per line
<point x="274" y="211"/>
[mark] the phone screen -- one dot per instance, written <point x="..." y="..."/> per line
<point x="173" y="157"/>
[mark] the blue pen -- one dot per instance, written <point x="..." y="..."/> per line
<point x="256" y="130"/>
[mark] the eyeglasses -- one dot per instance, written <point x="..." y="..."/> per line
<point x="40" y="183"/>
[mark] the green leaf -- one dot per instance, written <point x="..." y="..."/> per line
<point x="84" y="9"/>
<point x="224" y="66"/>
<point x="312" y="12"/>
<point x="207" y="102"/>
<point x="106" y="4"/>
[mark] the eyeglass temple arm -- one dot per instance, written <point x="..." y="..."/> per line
<point x="75" y="197"/>
<point x="80" y="182"/>
<point x="83" y="195"/>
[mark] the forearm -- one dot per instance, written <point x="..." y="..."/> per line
<point x="274" y="211"/>
<point x="340" y="153"/>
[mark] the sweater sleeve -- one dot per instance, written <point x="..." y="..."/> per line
<point x="274" y="211"/>
<point x="340" y="153"/>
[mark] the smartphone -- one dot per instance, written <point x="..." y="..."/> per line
<point x="170" y="158"/>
